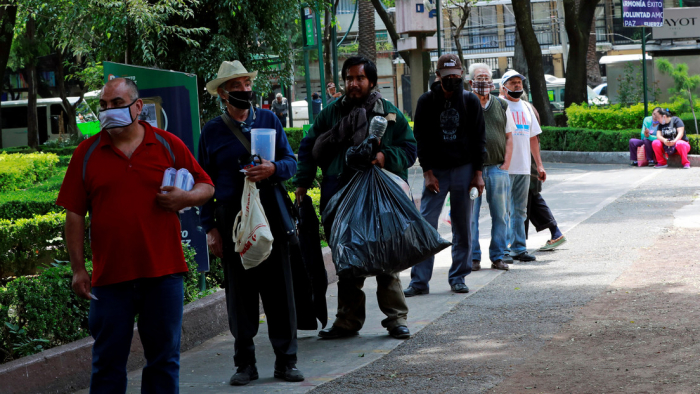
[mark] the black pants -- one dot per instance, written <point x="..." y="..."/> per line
<point x="271" y="281"/>
<point x="538" y="212"/>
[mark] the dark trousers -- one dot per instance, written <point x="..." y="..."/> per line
<point x="648" y="149"/>
<point x="538" y="212"/>
<point x="270" y="281"/>
<point x="158" y="304"/>
<point x="283" y="119"/>
<point x="351" y="302"/>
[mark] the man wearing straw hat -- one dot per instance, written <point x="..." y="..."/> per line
<point x="223" y="151"/>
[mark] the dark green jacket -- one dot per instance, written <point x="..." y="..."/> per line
<point x="398" y="143"/>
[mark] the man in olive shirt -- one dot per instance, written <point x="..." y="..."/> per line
<point x="499" y="149"/>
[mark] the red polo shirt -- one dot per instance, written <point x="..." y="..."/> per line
<point x="131" y="235"/>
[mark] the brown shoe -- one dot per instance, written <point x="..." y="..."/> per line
<point x="476" y="265"/>
<point x="499" y="265"/>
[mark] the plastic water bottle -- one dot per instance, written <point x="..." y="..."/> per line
<point x="377" y="126"/>
<point x="473" y="193"/>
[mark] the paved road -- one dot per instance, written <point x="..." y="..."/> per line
<point x="469" y="343"/>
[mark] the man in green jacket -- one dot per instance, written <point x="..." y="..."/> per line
<point x="340" y="125"/>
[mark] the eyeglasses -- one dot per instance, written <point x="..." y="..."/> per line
<point x="482" y="79"/>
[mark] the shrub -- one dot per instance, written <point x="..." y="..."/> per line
<point x="18" y="149"/>
<point x="24" y="243"/>
<point x="617" y="117"/>
<point x="585" y="140"/>
<point x="294" y="136"/>
<point x="19" y="171"/>
<point x="37" y="200"/>
<point x="59" y="150"/>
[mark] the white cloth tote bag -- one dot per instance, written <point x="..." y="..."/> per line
<point x="251" y="230"/>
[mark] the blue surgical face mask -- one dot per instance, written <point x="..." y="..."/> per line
<point x="112" y="118"/>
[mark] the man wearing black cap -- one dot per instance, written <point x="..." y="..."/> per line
<point x="452" y="157"/>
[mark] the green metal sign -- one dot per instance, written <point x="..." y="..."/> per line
<point x="309" y="28"/>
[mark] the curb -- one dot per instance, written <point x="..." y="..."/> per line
<point x="605" y="158"/>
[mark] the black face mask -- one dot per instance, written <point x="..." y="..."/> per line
<point x="240" y="99"/>
<point x="452" y="84"/>
<point x="516" y="94"/>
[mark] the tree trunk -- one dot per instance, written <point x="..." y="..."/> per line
<point x="61" y="85"/>
<point x="594" y="78"/>
<point x="577" y="20"/>
<point x="457" y="31"/>
<point x="8" y="17"/>
<point x="519" y="61"/>
<point x="32" y="116"/>
<point x="391" y="29"/>
<point x="533" y="55"/>
<point x="366" y="38"/>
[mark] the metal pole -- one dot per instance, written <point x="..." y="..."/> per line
<point x="308" y="85"/>
<point x="439" y="14"/>
<point x="319" y="40"/>
<point x="334" y="50"/>
<point x="202" y="282"/>
<point x="644" y="70"/>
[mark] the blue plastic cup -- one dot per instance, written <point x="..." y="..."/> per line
<point x="262" y="143"/>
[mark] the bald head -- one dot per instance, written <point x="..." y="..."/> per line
<point x="123" y="85"/>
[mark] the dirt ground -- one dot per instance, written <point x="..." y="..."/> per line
<point x="641" y="336"/>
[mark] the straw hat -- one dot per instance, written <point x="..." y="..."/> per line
<point x="227" y="71"/>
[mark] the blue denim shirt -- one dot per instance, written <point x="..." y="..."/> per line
<point x="219" y="150"/>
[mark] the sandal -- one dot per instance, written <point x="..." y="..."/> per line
<point x="553" y="243"/>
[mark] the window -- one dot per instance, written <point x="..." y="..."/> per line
<point x="483" y="27"/>
<point x="14" y="117"/>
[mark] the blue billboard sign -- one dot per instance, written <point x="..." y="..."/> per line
<point x="643" y="13"/>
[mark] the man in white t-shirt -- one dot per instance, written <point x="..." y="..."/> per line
<point x="524" y="143"/>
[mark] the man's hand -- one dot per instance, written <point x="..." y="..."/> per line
<point x="216" y="246"/>
<point x="505" y="166"/>
<point x="542" y="174"/>
<point x="300" y="194"/>
<point x="262" y="171"/>
<point x="646" y="132"/>
<point x="431" y="182"/>
<point x="81" y="284"/>
<point x="379" y="160"/>
<point x="477" y="182"/>
<point x="175" y="200"/>
<point x="669" y="143"/>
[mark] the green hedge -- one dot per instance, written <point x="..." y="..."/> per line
<point x="18" y="149"/>
<point x="294" y="136"/>
<point x="585" y="140"/>
<point x="59" y="150"/>
<point x="19" y="171"/>
<point x="39" y="199"/>
<point x="27" y="243"/>
<point x="617" y="117"/>
<point x="40" y="312"/>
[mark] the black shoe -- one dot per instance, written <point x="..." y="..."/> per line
<point x="290" y="373"/>
<point x="476" y="265"/>
<point x="244" y="375"/>
<point x="412" y="291"/>
<point x="525" y="257"/>
<point x="335" y="332"/>
<point x="507" y="259"/>
<point x="499" y="265"/>
<point x="400" y="332"/>
<point x="460" y="288"/>
<point x="634" y="164"/>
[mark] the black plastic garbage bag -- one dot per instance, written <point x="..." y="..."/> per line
<point x="375" y="228"/>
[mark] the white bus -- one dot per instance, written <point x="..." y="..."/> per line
<point x="49" y="110"/>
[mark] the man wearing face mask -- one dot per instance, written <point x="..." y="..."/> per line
<point x="138" y="263"/>
<point x="223" y="150"/>
<point x="499" y="149"/>
<point x="525" y="146"/>
<point x="449" y="127"/>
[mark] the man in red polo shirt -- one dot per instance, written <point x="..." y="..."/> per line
<point x="138" y="263"/>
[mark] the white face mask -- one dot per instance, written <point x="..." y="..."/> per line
<point x="113" y="118"/>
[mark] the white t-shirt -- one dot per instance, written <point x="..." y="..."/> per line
<point x="526" y="127"/>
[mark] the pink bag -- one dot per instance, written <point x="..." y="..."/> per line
<point x="642" y="157"/>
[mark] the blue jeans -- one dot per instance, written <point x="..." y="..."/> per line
<point x="497" y="193"/>
<point x="455" y="181"/>
<point x="519" y="186"/>
<point x="158" y="304"/>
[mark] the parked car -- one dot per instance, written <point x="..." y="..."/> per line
<point x="556" y="90"/>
